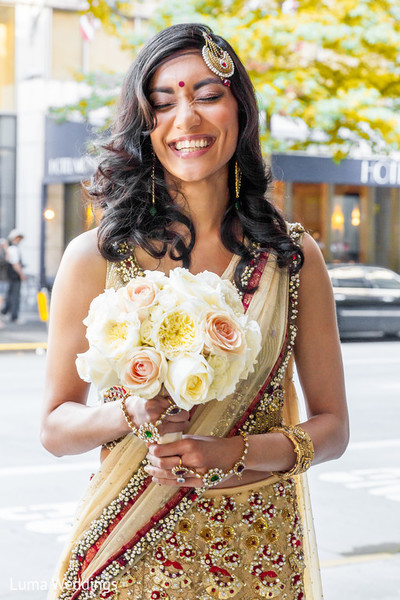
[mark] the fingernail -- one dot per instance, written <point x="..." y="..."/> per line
<point x="147" y="469"/>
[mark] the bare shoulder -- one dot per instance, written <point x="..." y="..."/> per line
<point x="312" y="252"/>
<point x="82" y="266"/>
<point x="83" y="252"/>
<point x="313" y="272"/>
<point x="84" y="248"/>
<point x="316" y="302"/>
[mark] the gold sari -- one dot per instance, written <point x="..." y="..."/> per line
<point x="135" y="539"/>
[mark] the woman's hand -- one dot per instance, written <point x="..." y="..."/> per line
<point x="196" y="452"/>
<point x="149" y="411"/>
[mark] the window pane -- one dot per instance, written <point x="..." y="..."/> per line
<point x="7" y="132"/>
<point x="350" y="277"/>
<point x="384" y="279"/>
<point x="353" y="282"/>
<point x="6" y="58"/>
<point x="66" y="59"/>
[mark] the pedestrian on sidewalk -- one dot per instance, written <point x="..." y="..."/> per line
<point x="15" y="275"/>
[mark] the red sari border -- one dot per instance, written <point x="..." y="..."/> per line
<point x="255" y="278"/>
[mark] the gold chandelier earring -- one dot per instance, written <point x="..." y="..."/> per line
<point x="153" y="208"/>
<point x="238" y="183"/>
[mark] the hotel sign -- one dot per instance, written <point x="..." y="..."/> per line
<point x="66" y="159"/>
<point x="372" y="172"/>
<point x="380" y="172"/>
<point x="66" y="166"/>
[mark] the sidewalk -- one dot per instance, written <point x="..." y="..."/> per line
<point x="29" y="334"/>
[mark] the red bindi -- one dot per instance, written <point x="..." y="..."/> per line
<point x="181" y="84"/>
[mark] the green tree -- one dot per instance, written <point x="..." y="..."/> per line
<point x="331" y="67"/>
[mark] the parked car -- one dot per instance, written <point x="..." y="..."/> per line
<point x="367" y="299"/>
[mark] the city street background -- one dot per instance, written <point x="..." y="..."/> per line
<point x="355" y="500"/>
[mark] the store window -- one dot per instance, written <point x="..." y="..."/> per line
<point x="7" y="173"/>
<point x="7" y="100"/>
<point x="308" y="201"/>
<point x="345" y="225"/>
<point x="382" y="225"/>
<point x="68" y="213"/>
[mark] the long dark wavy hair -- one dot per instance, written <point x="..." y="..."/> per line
<point x="122" y="183"/>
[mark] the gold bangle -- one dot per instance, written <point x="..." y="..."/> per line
<point x="126" y="414"/>
<point x="303" y="448"/>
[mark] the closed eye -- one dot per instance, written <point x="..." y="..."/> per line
<point x="162" y="106"/>
<point x="205" y="99"/>
<point x="209" y="98"/>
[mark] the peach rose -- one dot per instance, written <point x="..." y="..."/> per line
<point x="223" y="334"/>
<point x="139" y="294"/>
<point x="144" y="371"/>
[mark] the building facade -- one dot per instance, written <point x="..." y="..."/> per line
<point x="352" y="209"/>
<point x="43" y="44"/>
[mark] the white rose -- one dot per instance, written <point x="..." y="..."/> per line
<point x="209" y="279"/>
<point x="168" y="298"/>
<point x="144" y="371"/>
<point x="93" y="368"/>
<point x="223" y="383"/>
<point x="158" y="277"/>
<point x="188" y="380"/>
<point x="185" y="284"/>
<point x="231" y="297"/>
<point x="107" y="303"/>
<point x="204" y="286"/>
<point x="226" y="373"/>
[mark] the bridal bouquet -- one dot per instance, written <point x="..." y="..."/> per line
<point x="186" y="332"/>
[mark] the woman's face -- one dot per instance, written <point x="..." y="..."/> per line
<point x="197" y="119"/>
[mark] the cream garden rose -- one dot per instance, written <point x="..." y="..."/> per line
<point x="178" y="331"/>
<point x="114" y="337"/>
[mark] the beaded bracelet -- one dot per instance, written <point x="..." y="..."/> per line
<point x="126" y="414"/>
<point x="303" y="448"/>
<point x="147" y="432"/>
<point x="215" y="476"/>
<point x="116" y="392"/>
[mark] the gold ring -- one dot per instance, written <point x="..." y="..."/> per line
<point x="180" y="472"/>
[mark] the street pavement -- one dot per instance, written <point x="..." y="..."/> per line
<point x="355" y="499"/>
<point x="29" y="333"/>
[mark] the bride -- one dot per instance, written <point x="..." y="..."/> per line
<point x="181" y="182"/>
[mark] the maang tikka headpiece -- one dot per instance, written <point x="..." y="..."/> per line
<point x="217" y="60"/>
